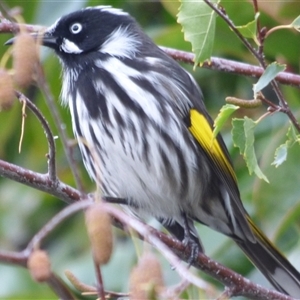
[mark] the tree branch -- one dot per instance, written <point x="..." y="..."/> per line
<point x="41" y="182"/>
<point x="48" y="132"/>
<point x="233" y="67"/>
<point x="173" y="250"/>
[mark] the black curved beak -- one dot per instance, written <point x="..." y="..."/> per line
<point x="45" y="39"/>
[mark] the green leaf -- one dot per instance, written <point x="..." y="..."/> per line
<point x="225" y="112"/>
<point x="280" y="155"/>
<point x="250" y="30"/>
<point x="198" y="23"/>
<point x="238" y="135"/>
<point x="269" y="74"/>
<point x="249" y="154"/>
<point x="296" y="23"/>
<point x="282" y="151"/>
<point x="243" y="138"/>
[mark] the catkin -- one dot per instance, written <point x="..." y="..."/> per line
<point x="39" y="265"/>
<point x="7" y="94"/>
<point x="25" y="57"/>
<point x="99" y="229"/>
<point x="145" y="278"/>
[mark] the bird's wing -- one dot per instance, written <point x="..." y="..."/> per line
<point x="200" y="125"/>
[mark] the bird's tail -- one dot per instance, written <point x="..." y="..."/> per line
<point x="274" y="266"/>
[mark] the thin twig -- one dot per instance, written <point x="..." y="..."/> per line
<point x="90" y="290"/>
<point x="59" y="287"/>
<point x="55" y="221"/>
<point x="48" y="132"/>
<point x="100" y="287"/>
<point x="231" y="25"/>
<point x="15" y="258"/>
<point x="260" y="37"/>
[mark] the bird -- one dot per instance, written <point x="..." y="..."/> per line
<point x="146" y="137"/>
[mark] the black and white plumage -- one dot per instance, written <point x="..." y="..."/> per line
<point x="119" y="112"/>
<point x="143" y="131"/>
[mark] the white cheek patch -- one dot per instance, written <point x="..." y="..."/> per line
<point x="70" y="47"/>
<point x="121" y="43"/>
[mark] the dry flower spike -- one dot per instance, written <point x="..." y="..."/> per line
<point x="39" y="265"/>
<point x="25" y="58"/>
<point x="146" y="278"/>
<point x="7" y="94"/>
<point x="99" y="229"/>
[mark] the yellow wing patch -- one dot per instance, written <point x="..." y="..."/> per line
<point x="203" y="133"/>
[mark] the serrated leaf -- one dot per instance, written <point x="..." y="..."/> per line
<point x="250" y="30"/>
<point x="198" y="23"/>
<point x="225" y="112"/>
<point x="296" y="23"/>
<point x="280" y="155"/>
<point x="238" y="134"/>
<point x="282" y="151"/>
<point x="243" y="138"/>
<point x="269" y="74"/>
<point x="250" y="156"/>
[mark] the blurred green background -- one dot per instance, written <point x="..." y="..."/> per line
<point x="275" y="207"/>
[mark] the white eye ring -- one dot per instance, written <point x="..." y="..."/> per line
<point x="75" y="28"/>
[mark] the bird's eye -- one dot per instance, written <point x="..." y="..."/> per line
<point x="75" y="28"/>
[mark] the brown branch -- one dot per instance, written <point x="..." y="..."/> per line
<point x="233" y="67"/>
<point x="236" y="283"/>
<point x="55" y="221"/>
<point x="7" y="26"/>
<point x="15" y="258"/>
<point x="100" y="286"/>
<point x="39" y="181"/>
<point x="48" y="132"/>
<point x="239" y="68"/>
<point x="60" y="288"/>
<point x="219" y="64"/>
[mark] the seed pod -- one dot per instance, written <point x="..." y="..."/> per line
<point x="25" y="57"/>
<point x="7" y="94"/>
<point x="39" y="265"/>
<point x="146" y="278"/>
<point x="254" y="103"/>
<point x="99" y="229"/>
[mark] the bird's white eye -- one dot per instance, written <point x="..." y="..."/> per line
<point x="75" y="28"/>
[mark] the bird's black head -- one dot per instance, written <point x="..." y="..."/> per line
<point x="101" y="28"/>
